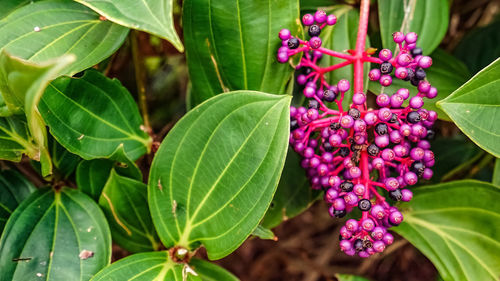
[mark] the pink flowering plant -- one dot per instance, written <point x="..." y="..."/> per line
<point x="117" y="146"/>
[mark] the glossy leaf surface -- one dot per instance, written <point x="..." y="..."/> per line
<point x="452" y="225"/>
<point x="22" y="84"/>
<point x="215" y="173"/>
<point x="480" y="47"/>
<point x="232" y="45"/>
<point x="124" y="202"/>
<point x="57" y="235"/>
<point x="211" y="272"/>
<point x="428" y="18"/>
<point x="294" y="193"/>
<point x="15" y="139"/>
<point x="14" y="188"/>
<point x="93" y="116"/>
<point x="474" y="108"/>
<point x="153" y="16"/>
<point x="49" y="29"/>
<point x="145" y="266"/>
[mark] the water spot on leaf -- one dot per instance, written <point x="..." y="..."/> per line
<point x="37" y="29"/>
<point x="81" y="137"/>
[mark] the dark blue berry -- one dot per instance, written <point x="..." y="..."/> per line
<point x="416" y="52"/>
<point x="327" y="147"/>
<point x="294" y="125"/>
<point x="413" y="117"/>
<point x="411" y="74"/>
<point x="335" y="126"/>
<point x="346" y="186"/>
<point x="420" y="74"/>
<point x="329" y="95"/>
<point x="358" y="245"/>
<point x="396" y="195"/>
<point x="431" y="135"/>
<point x="340" y="213"/>
<point x="381" y="129"/>
<point x="417" y="167"/>
<point x="364" y="205"/>
<point x="293" y="43"/>
<point x="354" y="113"/>
<point x="314" y="30"/>
<point x="373" y="150"/>
<point x="386" y="68"/>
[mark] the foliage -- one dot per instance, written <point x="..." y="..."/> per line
<point x="81" y="167"/>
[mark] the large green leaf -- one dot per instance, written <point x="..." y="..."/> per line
<point x="49" y="29"/>
<point x="21" y="85"/>
<point x="452" y="154"/>
<point x="313" y="5"/>
<point x="15" y="140"/>
<point x="55" y="235"/>
<point x="215" y="173"/>
<point x="474" y="108"/>
<point x="92" y="175"/>
<point x="447" y="74"/>
<point x="294" y="193"/>
<point x="153" y="16"/>
<point x="231" y="45"/>
<point x="456" y="226"/>
<point x="64" y="161"/>
<point x="14" y="188"/>
<point x="93" y="115"/>
<point x="8" y="6"/>
<point x="342" y="37"/>
<point x="155" y="266"/>
<point x="211" y="272"/>
<point x="125" y="204"/>
<point x="428" y="18"/>
<point x="480" y="47"/>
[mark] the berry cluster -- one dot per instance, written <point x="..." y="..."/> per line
<point x="356" y="154"/>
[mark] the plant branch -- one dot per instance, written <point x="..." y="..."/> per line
<point x="140" y="78"/>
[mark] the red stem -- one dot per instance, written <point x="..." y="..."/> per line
<point x="360" y="45"/>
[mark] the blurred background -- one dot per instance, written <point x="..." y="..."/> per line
<point x="306" y="247"/>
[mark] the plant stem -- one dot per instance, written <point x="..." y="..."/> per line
<point x="360" y="45"/>
<point x="140" y="78"/>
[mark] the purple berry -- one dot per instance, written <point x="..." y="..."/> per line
<point x="374" y="74"/>
<point x="343" y="85"/>
<point x="386" y="80"/>
<point x="385" y="54"/>
<point x="315" y="42"/>
<point x="308" y="19"/>
<point x="398" y="37"/>
<point x="320" y="16"/>
<point x="358" y="98"/>
<point x="331" y="20"/>
<point x="411" y="38"/>
<point x="285" y="34"/>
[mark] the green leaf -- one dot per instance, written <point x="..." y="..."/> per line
<point x="348" y="277"/>
<point x="447" y="74"/>
<point x="452" y="153"/>
<point x="294" y="194"/>
<point x="93" y="115"/>
<point x="14" y="188"/>
<point x="428" y="18"/>
<point x="211" y="272"/>
<point x="15" y="139"/>
<point x="232" y="45"/>
<point x="153" y="16"/>
<point x="8" y="6"/>
<point x="480" y="47"/>
<point x="312" y="5"/>
<point x="496" y="173"/>
<point x="342" y="37"/>
<point x="55" y="235"/>
<point x="474" y="108"/>
<point x="145" y="266"/>
<point x="22" y="84"/>
<point x="215" y="173"/>
<point x="456" y="226"/>
<point x="49" y="29"/>
<point x="92" y="175"/>
<point x="264" y="233"/>
<point x="64" y="161"/>
<point x="124" y="202"/>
